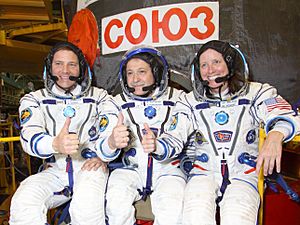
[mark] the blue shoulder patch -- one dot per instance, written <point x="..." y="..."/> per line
<point x="25" y="115"/>
<point x="103" y="123"/>
<point x="174" y="123"/>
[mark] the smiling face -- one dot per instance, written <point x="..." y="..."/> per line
<point x="139" y="75"/>
<point x="65" y="64"/>
<point x="212" y="65"/>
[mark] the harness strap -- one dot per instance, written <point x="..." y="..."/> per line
<point x="69" y="170"/>
<point x="67" y="191"/>
<point x="62" y="213"/>
<point x="225" y="181"/>
<point x="147" y="190"/>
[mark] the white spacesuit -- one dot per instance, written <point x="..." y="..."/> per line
<point x="138" y="174"/>
<point x="224" y="131"/>
<point x="43" y="114"/>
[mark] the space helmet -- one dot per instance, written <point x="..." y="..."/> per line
<point x="85" y="74"/>
<point x="236" y="64"/>
<point x="159" y="67"/>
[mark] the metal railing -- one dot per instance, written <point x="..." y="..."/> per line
<point x="7" y="129"/>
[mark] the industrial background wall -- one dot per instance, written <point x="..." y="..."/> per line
<point x="268" y="32"/>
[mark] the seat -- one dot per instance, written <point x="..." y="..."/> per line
<point x="143" y="212"/>
<point x="261" y="178"/>
<point x="260" y="185"/>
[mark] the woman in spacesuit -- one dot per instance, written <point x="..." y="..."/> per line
<point x="221" y="118"/>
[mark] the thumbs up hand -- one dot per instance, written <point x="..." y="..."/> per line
<point x="119" y="137"/>
<point x="65" y="142"/>
<point x="149" y="140"/>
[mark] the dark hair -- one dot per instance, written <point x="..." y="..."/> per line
<point x="234" y="64"/>
<point x="155" y="64"/>
<point x="66" y="46"/>
<point x="85" y="75"/>
<point x="237" y="81"/>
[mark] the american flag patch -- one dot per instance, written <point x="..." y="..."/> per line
<point x="277" y="103"/>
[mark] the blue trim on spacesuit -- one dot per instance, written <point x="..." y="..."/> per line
<point x="168" y="103"/>
<point x="54" y="102"/>
<point x="49" y="101"/>
<point x="173" y="152"/>
<point x="244" y="101"/>
<point x="69" y="98"/>
<point x="272" y="122"/>
<point x="88" y="100"/>
<point x="94" y="138"/>
<point x="128" y="105"/>
<point x="33" y="139"/>
<point x="147" y="191"/>
<point x="166" y="151"/>
<point x="108" y="156"/>
<point x="22" y="137"/>
<point x="252" y="185"/>
<point x="34" y="142"/>
<point x="204" y="105"/>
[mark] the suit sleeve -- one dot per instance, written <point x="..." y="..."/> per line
<point x="276" y="113"/>
<point x="172" y="142"/>
<point x="35" y="139"/>
<point x="107" y="121"/>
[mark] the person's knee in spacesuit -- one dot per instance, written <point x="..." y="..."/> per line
<point x="144" y="106"/>
<point x="59" y="122"/>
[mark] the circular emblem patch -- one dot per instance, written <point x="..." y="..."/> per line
<point x="251" y="136"/>
<point x="221" y="118"/>
<point x="150" y="112"/>
<point x="69" y="111"/>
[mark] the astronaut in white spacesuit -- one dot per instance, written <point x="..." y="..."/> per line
<point x="145" y="104"/>
<point x="223" y="114"/>
<point x="59" y="123"/>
